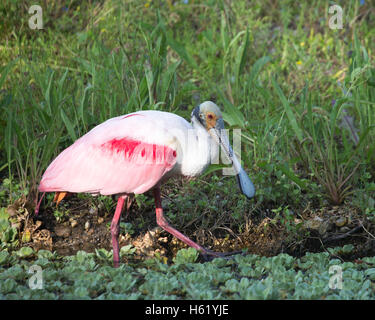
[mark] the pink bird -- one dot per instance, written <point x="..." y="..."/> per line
<point x="134" y="153"/>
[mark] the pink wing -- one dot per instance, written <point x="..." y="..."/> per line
<point x="115" y="157"/>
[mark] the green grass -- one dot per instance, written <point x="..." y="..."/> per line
<point x="275" y="76"/>
<point x="302" y="94"/>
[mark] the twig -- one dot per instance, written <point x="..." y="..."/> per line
<point x="344" y="235"/>
<point x="372" y="236"/>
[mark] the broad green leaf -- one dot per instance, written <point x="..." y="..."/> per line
<point x="24" y="252"/>
<point x="4" y="255"/>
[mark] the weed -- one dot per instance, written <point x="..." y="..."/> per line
<point x="61" y="214"/>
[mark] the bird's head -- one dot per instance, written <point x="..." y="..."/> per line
<point x="208" y="115"/>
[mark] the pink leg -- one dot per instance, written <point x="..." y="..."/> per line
<point x="38" y="204"/>
<point x="165" y="225"/>
<point x="115" y="230"/>
<point x="128" y="203"/>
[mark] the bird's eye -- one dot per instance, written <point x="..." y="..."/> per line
<point x="210" y="116"/>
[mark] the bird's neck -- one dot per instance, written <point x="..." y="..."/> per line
<point x="198" y="151"/>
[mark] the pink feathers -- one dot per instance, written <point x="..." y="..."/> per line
<point x="143" y="153"/>
<point x="112" y="158"/>
<point x="121" y="145"/>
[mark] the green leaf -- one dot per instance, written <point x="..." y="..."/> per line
<point x="241" y="56"/>
<point x="47" y="93"/>
<point x="181" y="51"/>
<point x="81" y="293"/>
<point x="213" y="168"/>
<point x="4" y="256"/>
<point x="292" y="118"/>
<point x="4" y="71"/>
<point x="103" y="254"/>
<point x="8" y="286"/>
<point x="45" y="254"/>
<point x="24" y="252"/>
<point x="81" y="109"/>
<point x="9" y="235"/>
<point x="68" y="125"/>
<point x="183" y="256"/>
<point x="127" y="250"/>
<point x="4" y="215"/>
<point x="370" y="273"/>
<point x="347" y="248"/>
<point x="167" y="80"/>
<point x="149" y="80"/>
<point x="290" y="174"/>
<point x="224" y="32"/>
<point x="8" y="136"/>
<point x="232" y="115"/>
<point x="256" y="68"/>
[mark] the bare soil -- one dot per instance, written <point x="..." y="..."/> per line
<point x="86" y="229"/>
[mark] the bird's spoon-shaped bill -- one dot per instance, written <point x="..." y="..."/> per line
<point x="220" y="136"/>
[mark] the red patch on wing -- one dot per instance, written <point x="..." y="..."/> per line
<point x="130" y="115"/>
<point x="121" y="145"/>
<point x="141" y="152"/>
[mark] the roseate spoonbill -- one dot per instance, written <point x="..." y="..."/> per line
<point x="133" y="153"/>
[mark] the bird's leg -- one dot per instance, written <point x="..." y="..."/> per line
<point x="128" y="203"/>
<point x="165" y="225"/>
<point x="115" y="230"/>
<point x="38" y="204"/>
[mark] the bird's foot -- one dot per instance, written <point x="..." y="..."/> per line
<point x="209" y="255"/>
